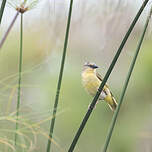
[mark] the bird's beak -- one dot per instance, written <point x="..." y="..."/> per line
<point x="95" y="67"/>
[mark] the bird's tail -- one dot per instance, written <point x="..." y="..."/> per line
<point x="112" y="103"/>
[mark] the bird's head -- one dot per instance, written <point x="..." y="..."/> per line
<point x="90" y="65"/>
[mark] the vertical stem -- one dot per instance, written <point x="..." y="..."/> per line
<point x="19" y="74"/>
<point x="125" y="85"/>
<point x="2" y="10"/>
<point x="8" y="30"/>
<point x="60" y="77"/>
<point x="93" y="103"/>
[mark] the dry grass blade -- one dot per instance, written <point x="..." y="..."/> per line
<point x="4" y="141"/>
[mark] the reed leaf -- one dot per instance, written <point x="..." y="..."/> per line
<point x="126" y="84"/>
<point x="60" y="77"/>
<point x="93" y="103"/>
<point x="19" y="76"/>
<point x="8" y="30"/>
<point x="2" y="10"/>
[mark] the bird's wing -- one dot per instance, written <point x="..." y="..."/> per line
<point x="107" y="91"/>
<point x="98" y="76"/>
<point x="106" y="88"/>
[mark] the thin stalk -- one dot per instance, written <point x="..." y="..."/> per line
<point x="8" y="30"/>
<point x="126" y="84"/>
<point x="2" y="10"/>
<point x="60" y="77"/>
<point x="93" y="103"/>
<point x="19" y="74"/>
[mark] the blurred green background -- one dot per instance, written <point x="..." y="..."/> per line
<point x="97" y="29"/>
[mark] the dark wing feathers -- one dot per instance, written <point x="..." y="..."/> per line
<point x="100" y="78"/>
<point x="108" y="92"/>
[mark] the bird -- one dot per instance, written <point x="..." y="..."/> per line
<point x="91" y="81"/>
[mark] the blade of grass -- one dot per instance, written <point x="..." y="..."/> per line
<point x="2" y="10"/>
<point x="93" y="103"/>
<point x="19" y="74"/>
<point x="8" y="30"/>
<point x="126" y="84"/>
<point x="60" y="77"/>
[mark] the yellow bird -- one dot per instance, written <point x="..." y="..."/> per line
<point x="91" y="81"/>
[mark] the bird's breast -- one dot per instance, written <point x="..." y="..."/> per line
<point x="90" y="82"/>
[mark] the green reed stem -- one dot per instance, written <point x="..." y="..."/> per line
<point x="93" y="103"/>
<point x="2" y="10"/>
<point x="8" y="30"/>
<point x="126" y="85"/>
<point x="19" y="74"/>
<point x="60" y="77"/>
